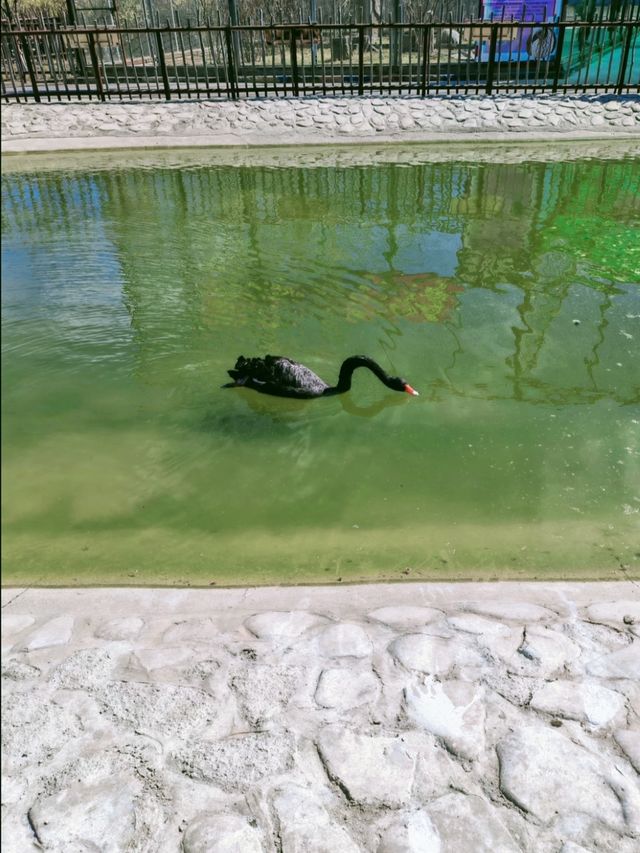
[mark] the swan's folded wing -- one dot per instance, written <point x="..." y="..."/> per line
<point x="261" y="369"/>
<point x="277" y="389"/>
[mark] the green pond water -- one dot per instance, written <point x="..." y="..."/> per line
<point x="507" y="295"/>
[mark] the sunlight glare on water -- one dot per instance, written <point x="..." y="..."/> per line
<point x="507" y="295"/>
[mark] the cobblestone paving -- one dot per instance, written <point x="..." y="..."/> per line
<point x="318" y="119"/>
<point x="394" y="719"/>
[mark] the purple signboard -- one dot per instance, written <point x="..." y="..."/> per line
<point x="525" y="43"/>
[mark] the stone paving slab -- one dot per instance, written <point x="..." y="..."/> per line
<point x="387" y="718"/>
<point x="279" y="121"/>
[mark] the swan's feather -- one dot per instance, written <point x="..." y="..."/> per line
<point x="279" y="371"/>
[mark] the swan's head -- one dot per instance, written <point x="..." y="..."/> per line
<point x="400" y="385"/>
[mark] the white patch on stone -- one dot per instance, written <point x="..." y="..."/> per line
<point x="221" y="833"/>
<point x="160" y="657"/>
<point x="306" y="826"/>
<point x="582" y="701"/>
<point x="282" y="624"/>
<point x="545" y="773"/>
<point x="374" y="771"/>
<point x="473" y="624"/>
<point x="56" y="632"/>
<point x="13" y="623"/>
<point x="452" y="710"/>
<point x="192" y="631"/>
<point x="408" y="617"/>
<point x="120" y="628"/>
<point x="623" y="663"/>
<point x="12" y="790"/>
<point x="466" y="822"/>
<point x="432" y="654"/>
<point x="541" y="653"/>
<point x="411" y="833"/>
<point x="342" y="640"/>
<point x="613" y="612"/>
<point x="344" y="689"/>
<point x="101" y="817"/>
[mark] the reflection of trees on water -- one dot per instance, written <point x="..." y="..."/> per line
<point x="527" y="224"/>
<point x="210" y="248"/>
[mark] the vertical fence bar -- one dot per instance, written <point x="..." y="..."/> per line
<point x="322" y="61"/>
<point x="163" y="66"/>
<point x="360" y="59"/>
<point x="39" y="70"/>
<point x="214" y="58"/>
<point x="172" y="46"/>
<point x="194" y="65"/>
<point x="91" y="38"/>
<point x="26" y="50"/>
<point x="558" y="62"/>
<point x="114" y="65"/>
<point x="42" y="63"/>
<point x="295" y="78"/>
<point x="127" y="37"/>
<point x="625" y="58"/>
<point x="39" y="67"/>
<point x="492" y="57"/>
<point x="232" y="83"/>
<point x="185" y="64"/>
<point x="9" y="63"/>
<point x="49" y="50"/>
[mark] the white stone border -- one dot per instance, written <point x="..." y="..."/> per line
<point x="303" y="121"/>
<point x="374" y="718"/>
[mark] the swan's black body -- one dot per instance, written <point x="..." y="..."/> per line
<point x="277" y="375"/>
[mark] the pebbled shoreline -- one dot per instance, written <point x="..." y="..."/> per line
<point x="309" y="121"/>
<point x="376" y="717"/>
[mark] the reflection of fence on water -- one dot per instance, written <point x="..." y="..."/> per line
<point x="466" y="202"/>
<point x="54" y="62"/>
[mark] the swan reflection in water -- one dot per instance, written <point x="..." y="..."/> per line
<point x="294" y="411"/>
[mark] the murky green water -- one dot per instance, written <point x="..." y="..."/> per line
<point x="507" y="295"/>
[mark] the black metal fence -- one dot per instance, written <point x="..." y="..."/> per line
<point x="54" y="62"/>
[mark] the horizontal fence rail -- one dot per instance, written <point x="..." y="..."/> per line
<point x="56" y="62"/>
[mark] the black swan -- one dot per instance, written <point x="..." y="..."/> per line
<point x="277" y="375"/>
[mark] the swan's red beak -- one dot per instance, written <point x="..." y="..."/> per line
<point x="411" y="390"/>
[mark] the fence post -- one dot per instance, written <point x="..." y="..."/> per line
<point x="294" y="64"/>
<point x="163" y="65"/>
<point x="625" y="57"/>
<point x="231" y="65"/>
<point x="492" y="56"/>
<point x="91" y="38"/>
<point x="361" y="59"/>
<point x="29" y="60"/>
<point x="558" y="62"/>
<point x="426" y="54"/>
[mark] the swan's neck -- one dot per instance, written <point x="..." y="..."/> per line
<point x="351" y="364"/>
